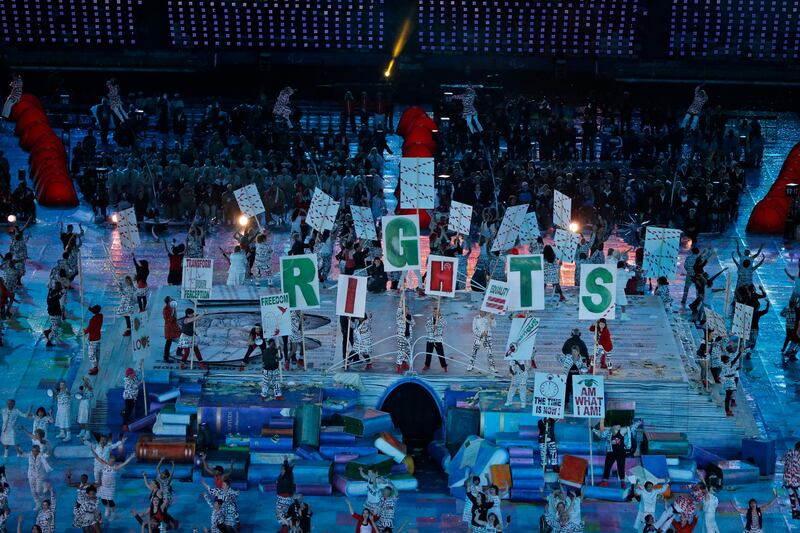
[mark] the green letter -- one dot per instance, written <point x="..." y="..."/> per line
<point x="299" y="279"/>
<point x="595" y="285"/>
<point x="525" y="266"/>
<point x="401" y="244"/>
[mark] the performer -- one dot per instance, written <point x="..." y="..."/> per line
<point x="754" y="514"/>
<point x="548" y="450"/>
<point x="791" y="477"/>
<point x="263" y="262"/>
<point x="270" y="375"/>
<point x="434" y="327"/>
<point x="63" y="411"/>
<point x="365" y="520"/>
<point x="575" y="340"/>
<point x="282" y="107"/>
<point x="102" y="448"/>
<point x="217" y="515"/>
<point x="175" y="274"/>
<point x="41" y="420"/>
<point x="362" y="345"/>
<point x="87" y="515"/>
<point x="93" y="330"/>
<point x="115" y="101"/>
<point x="238" y="266"/>
<point x="688" y="266"/>
<point x="55" y="312"/>
<point x="142" y="273"/>
<point x="405" y="331"/>
<point x="38" y="468"/>
<point x="482" y="326"/>
<point x="648" y="496"/>
<point x="519" y="382"/>
<point x="85" y="397"/>
<point x="604" y="346"/>
<point x="127" y="297"/>
<point x="375" y="484"/>
<point x="710" y="503"/>
<point x="573" y="365"/>
<point x="195" y="241"/>
<point x="295" y="340"/>
<point x="552" y="272"/>
<point x="618" y="441"/>
<point x="8" y="436"/>
<point x="187" y="340"/>
<point x="108" y="482"/>
<point x="730" y="375"/>
<point x="386" y="508"/>
<point x="255" y="340"/>
<point x="469" y="112"/>
<point x="172" y="331"/>
<point x="46" y="517"/>
<point x="14" y="95"/>
<point x="692" y="117"/>
<point x="130" y="391"/>
<point x="623" y="275"/>
<point x="285" y="490"/>
<point x="230" y="506"/>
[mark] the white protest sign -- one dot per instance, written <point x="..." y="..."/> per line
<point x="530" y="228"/>
<point x="588" y="396"/>
<point x="276" y="318"/>
<point x="441" y="276"/>
<point x="716" y="322"/>
<point x="509" y="228"/>
<point x="351" y="296"/>
<point x="562" y="210"/>
<point x="598" y="295"/>
<point x="495" y="300"/>
<point x="198" y="278"/>
<point x="526" y="279"/>
<point x="322" y="212"/>
<point x="128" y="228"/>
<point x="363" y="223"/>
<point x="661" y="252"/>
<point x="140" y="338"/>
<point x="549" y="394"/>
<point x="565" y="243"/>
<point x="521" y="338"/>
<point x="416" y="182"/>
<point x="460" y="218"/>
<point x="249" y="200"/>
<point x="741" y="323"/>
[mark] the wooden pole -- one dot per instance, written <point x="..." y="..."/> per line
<point x="303" y="339"/>
<point x="591" y="453"/>
<point x="346" y="345"/>
<point x="194" y="332"/>
<point x="83" y="307"/>
<point x="708" y="353"/>
<point x="544" y="463"/>
<point x="144" y="385"/>
<point x="726" y="307"/>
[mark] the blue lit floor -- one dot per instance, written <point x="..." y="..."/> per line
<point x="28" y="369"/>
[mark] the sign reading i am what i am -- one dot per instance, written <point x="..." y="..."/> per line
<point x="588" y="396"/>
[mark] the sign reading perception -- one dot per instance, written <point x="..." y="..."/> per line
<point x="198" y="278"/>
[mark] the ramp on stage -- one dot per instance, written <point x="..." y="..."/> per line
<point x="653" y="353"/>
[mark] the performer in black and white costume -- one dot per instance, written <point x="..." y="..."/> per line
<point x="434" y="327"/>
<point x="14" y="95"/>
<point x="482" y="326"/>
<point x="469" y="112"/>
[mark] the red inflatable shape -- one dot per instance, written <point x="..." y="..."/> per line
<point x="407" y="119"/>
<point x="28" y="98"/>
<point x="420" y="136"/>
<point x="424" y="121"/>
<point x="417" y="150"/>
<point x="769" y="215"/>
<point x="31" y="116"/>
<point x="35" y="133"/>
<point x="19" y="109"/>
<point x="58" y="194"/>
